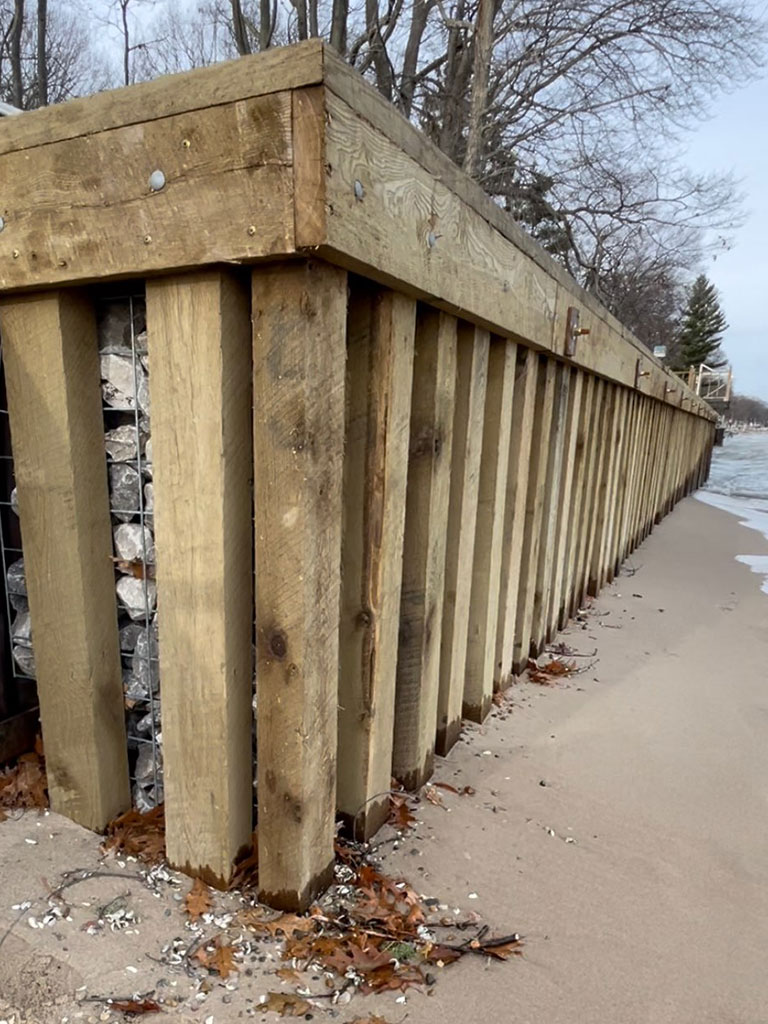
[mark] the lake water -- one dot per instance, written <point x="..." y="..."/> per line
<point x="738" y="483"/>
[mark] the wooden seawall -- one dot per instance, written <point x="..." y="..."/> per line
<point x="366" y="382"/>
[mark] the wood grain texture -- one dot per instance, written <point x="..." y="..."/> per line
<point x="309" y="166"/>
<point x="576" y="514"/>
<point x="86" y="210"/>
<point x="547" y="541"/>
<point x="54" y="399"/>
<point x="299" y="325"/>
<point x="520" y="441"/>
<point x="565" y="504"/>
<point x="471" y="383"/>
<point x="200" y="386"/>
<point x="609" y="340"/>
<point x="480" y="266"/>
<point x="380" y="333"/>
<point x="489" y="530"/>
<point x="275" y="70"/>
<point x="426" y="516"/>
<point x="602" y="511"/>
<point x="600" y="427"/>
<point x="534" y="511"/>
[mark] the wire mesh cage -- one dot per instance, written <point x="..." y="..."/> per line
<point x="124" y="363"/>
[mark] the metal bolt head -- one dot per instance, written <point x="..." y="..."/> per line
<point x="15" y="254"/>
<point x="359" y="191"/>
<point x="147" y="239"/>
<point x="431" y="239"/>
<point x="156" y="181"/>
<point x="252" y="230"/>
<point x="186" y="143"/>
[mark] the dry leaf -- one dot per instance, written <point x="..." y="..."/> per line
<point x="246" y="870"/>
<point x="138" y="835"/>
<point x="135" y="1006"/>
<point x="222" y="961"/>
<point x="198" y="899"/>
<point x="400" y="815"/>
<point x="286" y="1004"/>
<point x="288" y="974"/>
<point x="25" y="784"/>
<point x="285" y="925"/>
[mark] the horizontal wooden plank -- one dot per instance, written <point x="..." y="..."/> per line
<point x="285" y="67"/>
<point x="86" y="209"/>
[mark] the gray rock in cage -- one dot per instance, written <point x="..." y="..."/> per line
<point x="131" y="592"/>
<point x="16" y="578"/>
<point x="124" y="383"/>
<point x="129" y="634"/>
<point x="114" y="328"/>
<point x="15" y="500"/>
<point x="134" y="543"/>
<point x="25" y="660"/>
<point x="125" y="491"/>
<point x="121" y="443"/>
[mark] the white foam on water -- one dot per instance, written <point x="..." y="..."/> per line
<point x="739" y="484"/>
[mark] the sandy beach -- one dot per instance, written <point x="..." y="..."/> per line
<point x="653" y="762"/>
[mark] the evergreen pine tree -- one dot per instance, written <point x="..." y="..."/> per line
<point x="702" y="327"/>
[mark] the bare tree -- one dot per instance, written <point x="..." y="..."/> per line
<point x="239" y="29"/>
<point x="16" y="30"/>
<point x="42" y="53"/>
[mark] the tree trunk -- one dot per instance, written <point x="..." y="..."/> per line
<point x="126" y="42"/>
<point x="42" y="55"/>
<point x="481" y="64"/>
<point x="301" y="17"/>
<point x="17" y="84"/>
<point x="313" y="29"/>
<point x="381" y="64"/>
<point x="419" y="15"/>
<point x="339" y="25"/>
<point x="239" y="30"/>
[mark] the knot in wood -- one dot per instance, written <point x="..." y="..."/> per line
<point x="278" y="644"/>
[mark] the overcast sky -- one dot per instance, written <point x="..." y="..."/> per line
<point x="736" y="139"/>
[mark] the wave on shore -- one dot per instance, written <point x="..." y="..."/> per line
<point x="738" y="484"/>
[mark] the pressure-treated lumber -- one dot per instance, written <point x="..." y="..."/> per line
<point x="466" y="449"/>
<point x="426" y="514"/>
<point x="380" y="332"/>
<point x="299" y="324"/>
<point x="87" y="209"/>
<point x="603" y="495"/>
<point x="54" y="399"/>
<point x="534" y="511"/>
<point x="489" y="530"/>
<point x="565" y="503"/>
<point x="200" y="387"/>
<point x="600" y="425"/>
<point x="578" y="490"/>
<point x="552" y="499"/>
<point x="520" y="441"/>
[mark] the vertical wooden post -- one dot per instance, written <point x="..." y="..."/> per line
<point x="614" y="487"/>
<point x="587" y="515"/>
<point x="426" y="516"/>
<point x="489" y="530"/>
<point x="603" y="508"/>
<point x="200" y="385"/>
<point x="471" y="382"/>
<point x="520" y="441"/>
<point x="602" y="433"/>
<point x="550" y="512"/>
<point x="380" y="331"/>
<point x="534" y="511"/>
<point x="299" y="322"/>
<point x="566" y="511"/>
<point x="580" y="474"/>
<point x="54" y="399"/>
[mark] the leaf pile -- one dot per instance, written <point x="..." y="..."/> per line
<point x="25" y="784"/>
<point x="547" y="674"/>
<point x="138" y="834"/>
<point x="380" y="937"/>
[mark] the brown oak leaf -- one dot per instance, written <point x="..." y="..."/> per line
<point x="198" y="899"/>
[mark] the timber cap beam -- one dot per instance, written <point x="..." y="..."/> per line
<point x="282" y="154"/>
